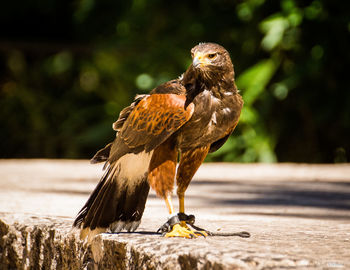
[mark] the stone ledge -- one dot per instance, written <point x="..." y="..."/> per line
<point x="297" y="220"/>
<point x="34" y="242"/>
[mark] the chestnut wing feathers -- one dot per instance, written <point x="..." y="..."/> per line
<point x="154" y="119"/>
<point x="124" y="114"/>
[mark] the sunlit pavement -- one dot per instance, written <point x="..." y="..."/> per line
<point x="298" y="215"/>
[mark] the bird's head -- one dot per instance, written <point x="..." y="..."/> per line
<point x="211" y="59"/>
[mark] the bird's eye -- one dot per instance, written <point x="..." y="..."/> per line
<point x="211" y="55"/>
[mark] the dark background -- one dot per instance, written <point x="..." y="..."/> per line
<point x="68" y="67"/>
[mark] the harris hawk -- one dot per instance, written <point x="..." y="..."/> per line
<point x="179" y="121"/>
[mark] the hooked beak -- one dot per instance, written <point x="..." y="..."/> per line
<point x="198" y="61"/>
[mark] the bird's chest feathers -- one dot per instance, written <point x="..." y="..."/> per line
<point x="211" y="118"/>
<point x="212" y="111"/>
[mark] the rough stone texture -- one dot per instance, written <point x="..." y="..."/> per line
<point x="298" y="216"/>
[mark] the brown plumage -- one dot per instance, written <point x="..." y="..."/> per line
<point x="187" y="118"/>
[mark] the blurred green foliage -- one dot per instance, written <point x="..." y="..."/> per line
<point x="69" y="67"/>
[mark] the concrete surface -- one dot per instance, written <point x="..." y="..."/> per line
<point x="298" y="216"/>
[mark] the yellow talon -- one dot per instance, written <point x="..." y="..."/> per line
<point x="180" y="231"/>
<point x="185" y="232"/>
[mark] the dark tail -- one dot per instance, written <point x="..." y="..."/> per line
<point x="116" y="203"/>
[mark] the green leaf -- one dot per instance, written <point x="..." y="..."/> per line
<point x="253" y="81"/>
<point x="274" y="28"/>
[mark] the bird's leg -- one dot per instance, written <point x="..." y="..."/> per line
<point x="169" y="205"/>
<point x="161" y="172"/>
<point x="189" y="164"/>
<point x="178" y="228"/>
<point x="181" y="197"/>
<point x="161" y="176"/>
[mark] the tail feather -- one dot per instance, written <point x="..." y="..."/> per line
<point x="134" y="202"/>
<point x="82" y="215"/>
<point x="102" y="214"/>
<point x="117" y="202"/>
<point x="102" y="155"/>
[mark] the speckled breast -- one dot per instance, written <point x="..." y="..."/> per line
<point x="211" y="120"/>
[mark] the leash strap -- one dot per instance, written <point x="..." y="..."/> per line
<point x="190" y="220"/>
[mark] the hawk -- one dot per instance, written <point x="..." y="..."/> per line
<point x="180" y="121"/>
